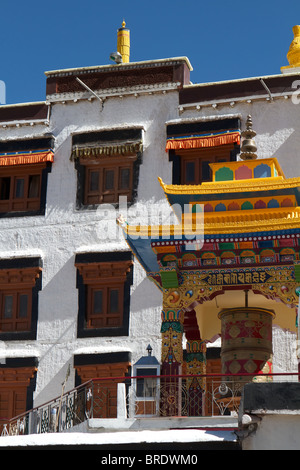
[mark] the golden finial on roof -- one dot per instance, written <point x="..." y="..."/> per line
<point x="293" y="54"/>
<point x="123" y="44"/>
<point x="248" y="148"/>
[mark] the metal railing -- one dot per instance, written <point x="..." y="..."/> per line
<point x="208" y="395"/>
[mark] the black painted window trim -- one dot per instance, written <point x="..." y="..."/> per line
<point x="82" y="331"/>
<point x="43" y="200"/>
<point x="23" y="263"/>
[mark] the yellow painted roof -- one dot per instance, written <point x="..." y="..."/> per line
<point x="257" y="220"/>
<point x="221" y="187"/>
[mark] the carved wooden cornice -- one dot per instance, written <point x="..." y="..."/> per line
<point x="25" y="277"/>
<point x="113" y="149"/>
<point x="18" y="375"/>
<point x="104" y="272"/>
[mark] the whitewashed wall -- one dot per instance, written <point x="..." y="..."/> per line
<point x="278" y="431"/>
<point x="276" y="123"/>
<point x="64" y="231"/>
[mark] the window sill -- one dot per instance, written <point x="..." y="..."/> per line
<point x="102" y="332"/>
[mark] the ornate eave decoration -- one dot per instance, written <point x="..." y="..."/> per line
<point x="110" y="149"/>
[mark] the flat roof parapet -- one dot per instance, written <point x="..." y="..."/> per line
<point x="229" y="91"/>
<point x="22" y="113"/>
<point x="173" y="70"/>
<point x="271" y="398"/>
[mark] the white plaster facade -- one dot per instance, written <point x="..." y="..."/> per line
<point x="65" y="231"/>
<point x="276" y="431"/>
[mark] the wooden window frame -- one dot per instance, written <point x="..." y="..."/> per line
<point x="221" y="153"/>
<point x="16" y="282"/>
<point x="105" y="319"/>
<point x="178" y="158"/>
<point x="15" y="322"/>
<point x="17" y="384"/>
<point x="104" y="276"/>
<point x="104" y="195"/>
<point x="26" y="204"/>
<point x="97" y="366"/>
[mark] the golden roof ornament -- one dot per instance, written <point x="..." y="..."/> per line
<point x="123" y="43"/>
<point x="293" y="54"/>
<point x="248" y="148"/>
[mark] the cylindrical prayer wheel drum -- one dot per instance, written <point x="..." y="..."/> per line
<point x="247" y="342"/>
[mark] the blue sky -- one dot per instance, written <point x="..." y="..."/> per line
<point x="223" y="40"/>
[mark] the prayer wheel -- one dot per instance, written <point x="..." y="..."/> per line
<point x="247" y="342"/>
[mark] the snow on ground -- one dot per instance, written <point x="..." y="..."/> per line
<point x="174" y="436"/>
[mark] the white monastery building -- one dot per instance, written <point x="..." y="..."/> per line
<point x="76" y="301"/>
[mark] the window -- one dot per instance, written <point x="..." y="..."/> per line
<point x="17" y="384"/>
<point x="15" y="310"/>
<point x="192" y="146"/>
<point x="195" y="167"/>
<point x="24" y="167"/>
<point x="103" y="282"/>
<point x="20" y="188"/>
<point x="20" y="281"/>
<point x="107" y="164"/>
<point x="107" y="181"/>
<point x="146" y="386"/>
<point x="97" y="366"/>
<point x="105" y="306"/>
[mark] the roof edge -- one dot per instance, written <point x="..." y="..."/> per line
<point x="129" y="65"/>
<point x="240" y="80"/>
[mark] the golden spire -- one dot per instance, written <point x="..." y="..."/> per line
<point x="293" y="54"/>
<point x="123" y="44"/>
<point x="248" y="148"/>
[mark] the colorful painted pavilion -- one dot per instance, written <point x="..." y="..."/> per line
<point x="237" y="236"/>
